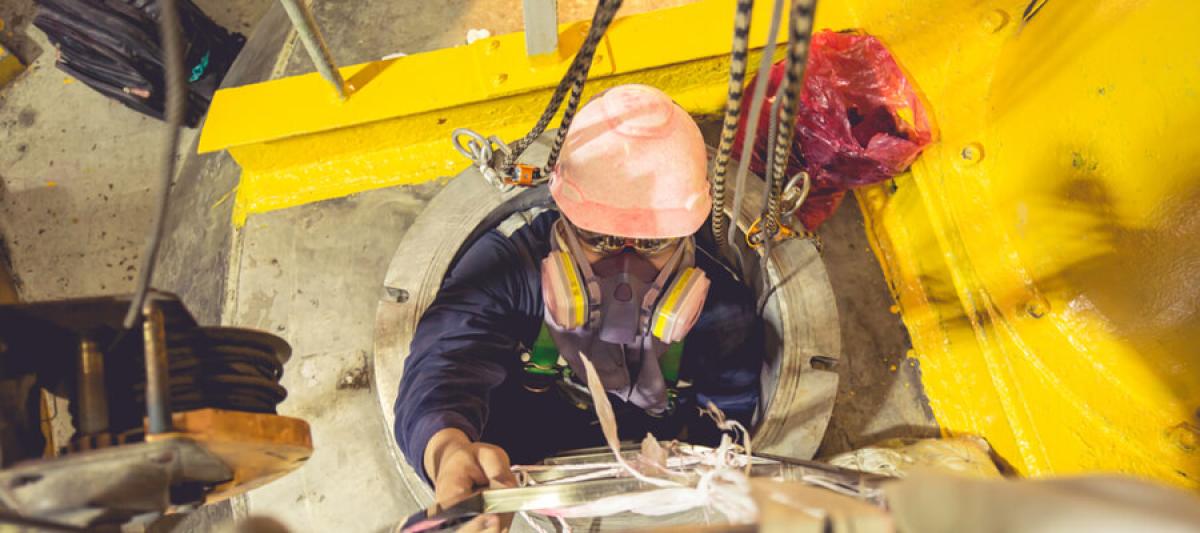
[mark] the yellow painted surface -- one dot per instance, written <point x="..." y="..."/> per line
<point x="1045" y="253"/>
<point x="297" y="143"/>
<point x="10" y="66"/>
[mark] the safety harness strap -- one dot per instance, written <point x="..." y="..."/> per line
<point x="543" y="358"/>
<point x="544" y="364"/>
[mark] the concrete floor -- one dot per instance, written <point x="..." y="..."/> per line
<point x="313" y="275"/>
<point x="879" y="392"/>
<point x="76" y="170"/>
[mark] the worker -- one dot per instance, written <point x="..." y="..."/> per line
<point x="495" y="372"/>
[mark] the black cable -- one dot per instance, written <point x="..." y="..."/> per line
<point x="223" y="369"/>
<point x="606" y="10"/>
<point x="175" y="107"/>
<point x="535" y="197"/>
<point x="733" y="111"/>
<point x="801" y="35"/>
<point x="603" y="18"/>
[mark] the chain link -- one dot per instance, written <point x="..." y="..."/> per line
<point x="733" y="111"/>
<point x="800" y="36"/>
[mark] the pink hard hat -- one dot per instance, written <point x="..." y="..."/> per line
<point x="633" y="165"/>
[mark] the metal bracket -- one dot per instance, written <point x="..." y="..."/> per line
<point x="541" y="27"/>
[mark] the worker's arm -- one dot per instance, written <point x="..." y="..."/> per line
<point x="464" y="346"/>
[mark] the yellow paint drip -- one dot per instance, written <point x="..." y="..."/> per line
<point x="1044" y="253"/>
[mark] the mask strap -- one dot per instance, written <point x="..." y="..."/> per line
<point x="585" y="267"/>
<point x="684" y="253"/>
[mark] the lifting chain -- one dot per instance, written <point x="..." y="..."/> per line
<point x="496" y="160"/>
<point x="794" y="194"/>
<point x="799" y="37"/>
<point x="773" y="223"/>
<point x="574" y="80"/>
<point x="757" y="99"/>
<point x="733" y="112"/>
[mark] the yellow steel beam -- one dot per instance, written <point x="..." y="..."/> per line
<point x="1044" y="253"/>
<point x="297" y="143"/>
<point x="10" y="66"/>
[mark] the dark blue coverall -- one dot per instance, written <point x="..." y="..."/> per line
<point x="464" y="370"/>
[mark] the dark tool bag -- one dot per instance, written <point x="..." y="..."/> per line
<point x="113" y="47"/>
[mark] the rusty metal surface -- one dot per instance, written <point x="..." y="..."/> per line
<point x="110" y="485"/>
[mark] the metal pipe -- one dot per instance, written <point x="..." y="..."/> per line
<point x="93" y="396"/>
<point x="158" y="389"/>
<point x="541" y="27"/>
<point x="310" y="34"/>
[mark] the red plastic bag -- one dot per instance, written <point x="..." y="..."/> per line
<point x="859" y="122"/>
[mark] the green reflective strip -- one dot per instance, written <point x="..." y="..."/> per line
<point x="543" y="359"/>
<point x="669" y="364"/>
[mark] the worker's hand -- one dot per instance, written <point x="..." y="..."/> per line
<point x="459" y="467"/>
<point x="488" y="523"/>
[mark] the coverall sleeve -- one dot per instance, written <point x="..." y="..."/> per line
<point x="465" y="345"/>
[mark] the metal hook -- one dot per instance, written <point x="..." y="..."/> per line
<point x="478" y="148"/>
<point x="791" y="202"/>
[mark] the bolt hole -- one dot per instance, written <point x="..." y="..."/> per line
<point x="823" y="362"/>
<point x="396" y="295"/>
<point x="25" y="479"/>
<point x="1036" y="309"/>
<point x="972" y="153"/>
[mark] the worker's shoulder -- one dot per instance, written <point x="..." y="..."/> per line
<point x="528" y="231"/>
<point x="525" y="233"/>
<point x="535" y="222"/>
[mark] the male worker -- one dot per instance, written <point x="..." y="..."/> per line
<point x="495" y="371"/>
